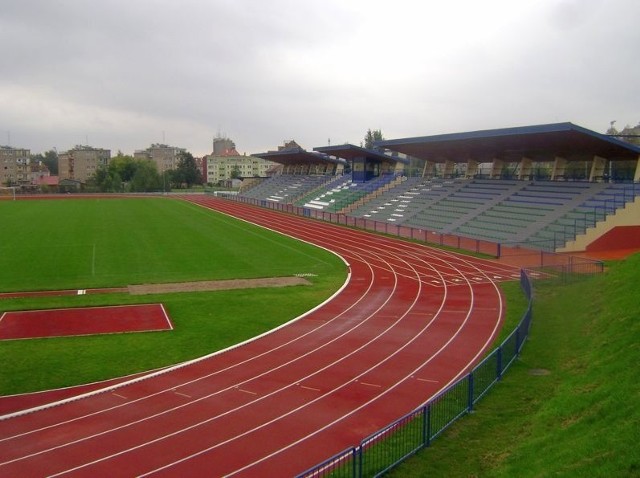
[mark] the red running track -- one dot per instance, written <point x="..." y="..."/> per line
<point x="409" y="321"/>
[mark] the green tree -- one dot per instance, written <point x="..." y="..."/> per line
<point x="106" y="180"/>
<point x="187" y="172"/>
<point x="631" y="134"/>
<point x="371" y="137"/>
<point x="125" y="166"/>
<point x="146" y="177"/>
<point x="624" y="170"/>
<point x="99" y="179"/>
<point x="235" y="172"/>
<point x="49" y="159"/>
<point x="125" y="173"/>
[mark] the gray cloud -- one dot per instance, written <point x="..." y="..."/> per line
<point x="124" y="74"/>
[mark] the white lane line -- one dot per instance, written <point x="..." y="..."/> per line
<point x="246" y="391"/>
<point x="310" y="388"/>
<point x="368" y="384"/>
<point x="182" y="394"/>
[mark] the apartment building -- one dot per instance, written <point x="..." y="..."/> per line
<point x="165" y="157"/>
<point x="225" y="163"/>
<point x="82" y="162"/>
<point x="14" y="166"/>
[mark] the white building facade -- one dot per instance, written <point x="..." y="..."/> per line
<point x="225" y="163"/>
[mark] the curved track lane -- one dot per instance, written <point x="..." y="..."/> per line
<point x="409" y="321"/>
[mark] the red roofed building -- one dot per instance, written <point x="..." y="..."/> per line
<point x="46" y="181"/>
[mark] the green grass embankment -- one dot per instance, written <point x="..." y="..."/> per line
<point x="569" y="405"/>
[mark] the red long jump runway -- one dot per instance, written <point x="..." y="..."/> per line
<point x="83" y="321"/>
<point x="408" y="322"/>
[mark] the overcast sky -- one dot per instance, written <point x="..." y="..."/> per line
<point x="124" y="74"/>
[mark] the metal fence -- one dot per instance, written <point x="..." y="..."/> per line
<point x="562" y="265"/>
<point x="405" y="232"/>
<point x="393" y="444"/>
<point x="526" y="254"/>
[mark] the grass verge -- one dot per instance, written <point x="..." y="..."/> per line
<point x="204" y="322"/>
<point x="568" y="407"/>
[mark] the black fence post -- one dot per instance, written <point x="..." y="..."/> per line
<point x="428" y="425"/>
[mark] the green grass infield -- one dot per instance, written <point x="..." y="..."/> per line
<point x="101" y="243"/>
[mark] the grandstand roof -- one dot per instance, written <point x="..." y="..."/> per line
<point x="350" y="151"/>
<point x="539" y="142"/>
<point x="296" y="156"/>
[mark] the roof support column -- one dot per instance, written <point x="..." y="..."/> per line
<point x="559" y="168"/>
<point x="496" y="168"/>
<point x="427" y="171"/>
<point x="448" y="169"/>
<point x="472" y="168"/>
<point x="358" y="169"/>
<point x="525" y="168"/>
<point x="597" y="168"/>
<point x="636" y="176"/>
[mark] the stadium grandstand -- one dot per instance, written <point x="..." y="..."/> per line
<point x="556" y="187"/>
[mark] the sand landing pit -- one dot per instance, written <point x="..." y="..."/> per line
<point x="230" y="284"/>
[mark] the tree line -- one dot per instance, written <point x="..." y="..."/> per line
<point x="128" y="174"/>
<point x="125" y="173"/>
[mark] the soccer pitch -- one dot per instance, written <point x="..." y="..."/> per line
<point x="89" y="243"/>
<point x="98" y="242"/>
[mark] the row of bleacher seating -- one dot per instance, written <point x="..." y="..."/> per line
<point x="337" y="183"/>
<point x="520" y="216"/>
<point x="342" y="195"/>
<point x="406" y="199"/>
<point x="493" y="210"/>
<point x="286" y="188"/>
<point x="602" y="200"/>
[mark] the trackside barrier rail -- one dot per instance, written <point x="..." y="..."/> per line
<point x="561" y="265"/>
<point x="527" y="254"/>
<point x="401" y="439"/>
<point x="406" y="232"/>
